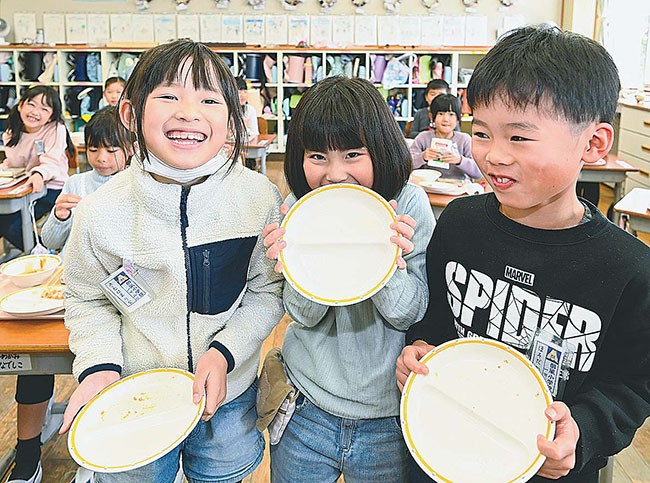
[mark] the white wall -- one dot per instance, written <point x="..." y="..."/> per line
<point x="534" y="11"/>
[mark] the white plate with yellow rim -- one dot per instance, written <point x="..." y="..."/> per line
<point x="135" y="421"/>
<point x="338" y="244"/>
<point x="32" y="302"/>
<point x="477" y="413"/>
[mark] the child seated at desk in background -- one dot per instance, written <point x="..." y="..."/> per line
<point x="108" y="147"/>
<point x="36" y="139"/>
<point x="249" y="114"/>
<point x="445" y="112"/>
<point x="113" y="88"/>
<point x="589" y="281"/>
<point x="422" y="117"/>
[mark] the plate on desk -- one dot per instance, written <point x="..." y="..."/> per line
<point x="338" y="244"/>
<point x="34" y="301"/>
<point x="428" y="175"/>
<point x="135" y="421"/>
<point x="477" y="413"/>
<point x="450" y="188"/>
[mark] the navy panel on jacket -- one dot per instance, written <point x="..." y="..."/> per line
<point x="219" y="272"/>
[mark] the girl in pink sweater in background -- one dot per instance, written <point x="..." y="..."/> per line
<point x="36" y="139"/>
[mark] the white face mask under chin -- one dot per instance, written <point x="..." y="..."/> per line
<point x="184" y="176"/>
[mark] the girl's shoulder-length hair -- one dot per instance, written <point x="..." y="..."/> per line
<point x="339" y="113"/>
<point x="14" y="123"/>
<point x="179" y="62"/>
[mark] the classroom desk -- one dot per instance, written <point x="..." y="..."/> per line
<point x="17" y="199"/>
<point x="636" y="205"/>
<point x="613" y="171"/>
<point x="43" y="340"/>
<point x="258" y="147"/>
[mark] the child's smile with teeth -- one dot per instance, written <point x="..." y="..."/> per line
<point x="185" y="137"/>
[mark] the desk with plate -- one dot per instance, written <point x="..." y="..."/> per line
<point x="33" y="338"/>
<point x="441" y="192"/>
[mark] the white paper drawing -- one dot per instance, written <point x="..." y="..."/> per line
<point x="54" y="27"/>
<point x="431" y="28"/>
<point x="343" y="31"/>
<point x="365" y="30"/>
<point x="210" y="26"/>
<point x="232" y="29"/>
<point x="99" y="28"/>
<point x="254" y="30"/>
<point x="320" y="30"/>
<point x="121" y="27"/>
<point x="24" y="26"/>
<point x="142" y="27"/>
<point x="76" y="27"/>
<point x="164" y="27"/>
<point x="298" y="29"/>
<point x="187" y="27"/>
<point x="276" y="30"/>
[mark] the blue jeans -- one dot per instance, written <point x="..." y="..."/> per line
<point x="318" y="447"/>
<point x="225" y="449"/>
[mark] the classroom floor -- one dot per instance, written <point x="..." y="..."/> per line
<point x="632" y="464"/>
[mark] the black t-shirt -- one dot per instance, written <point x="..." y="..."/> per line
<point x="492" y="277"/>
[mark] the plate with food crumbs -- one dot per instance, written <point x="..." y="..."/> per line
<point x="33" y="302"/>
<point x="135" y="421"/>
<point x="477" y="413"/>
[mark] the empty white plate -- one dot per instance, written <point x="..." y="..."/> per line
<point x="135" y="421"/>
<point x="338" y="244"/>
<point x="443" y="187"/>
<point x="29" y="302"/>
<point x="477" y="413"/>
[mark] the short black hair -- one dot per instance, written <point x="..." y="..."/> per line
<point x="165" y="64"/>
<point x="338" y="113"/>
<point x="565" y="74"/>
<point x="445" y="103"/>
<point x="437" y="85"/>
<point x="104" y="129"/>
<point x="114" y="80"/>
<point x="241" y="83"/>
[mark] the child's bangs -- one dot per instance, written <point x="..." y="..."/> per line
<point x="104" y="140"/>
<point x="331" y="131"/>
<point x="203" y="71"/>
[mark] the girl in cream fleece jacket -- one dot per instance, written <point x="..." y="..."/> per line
<point x="188" y="220"/>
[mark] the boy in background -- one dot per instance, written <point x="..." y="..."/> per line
<point x="543" y="103"/>
<point x="422" y="119"/>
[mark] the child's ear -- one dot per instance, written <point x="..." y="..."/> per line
<point x="600" y="142"/>
<point x="127" y="116"/>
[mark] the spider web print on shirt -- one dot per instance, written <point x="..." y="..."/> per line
<point x="510" y="313"/>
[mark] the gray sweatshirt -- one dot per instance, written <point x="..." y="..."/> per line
<point x="343" y="358"/>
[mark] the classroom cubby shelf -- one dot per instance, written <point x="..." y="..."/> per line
<point x="13" y="78"/>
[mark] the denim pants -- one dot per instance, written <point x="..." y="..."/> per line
<point x="318" y="447"/>
<point x="225" y="449"/>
